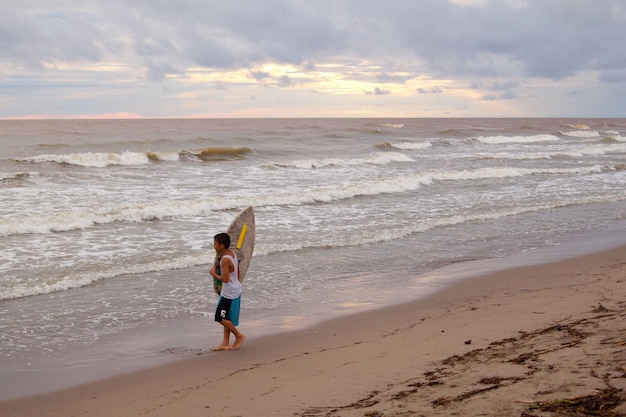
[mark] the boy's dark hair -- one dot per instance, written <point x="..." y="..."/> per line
<point x="223" y="239"/>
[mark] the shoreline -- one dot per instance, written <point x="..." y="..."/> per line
<point x="393" y="359"/>
<point x="162" y="344"/>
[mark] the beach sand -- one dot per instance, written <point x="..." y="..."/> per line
<point x="537" y="341"/>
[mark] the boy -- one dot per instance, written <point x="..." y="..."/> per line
<point x="227" y="312"/>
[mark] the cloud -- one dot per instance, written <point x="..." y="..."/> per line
<point x="395" y="48"/>
<point x="430" y="91"/>
<point x="613" y="77"/>
<point x="156" y="71"/>
<point x="377" y="92"/>
<point x="551" y="38"/>
<point x="260" y="75"/>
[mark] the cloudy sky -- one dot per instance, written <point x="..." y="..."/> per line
<point x="312" y="58"/>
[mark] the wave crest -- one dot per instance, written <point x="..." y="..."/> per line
<point x="580" y="133"/>
<point x="515" y="139"/>
<point x="105" y="159"/>
<point x="392" y="125"/>
<point x="81" y="279"/>
<point x="382" y="158"/>
<point x="92" y="159"/>
<point x="8" y="176"/>
<point x="220" y="154"/>
<point x="404" y="145"/>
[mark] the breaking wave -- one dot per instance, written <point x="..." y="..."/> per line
<point x="374" y="159"/>
<point x="404" y="145"/>
<point x="591" y="150"/>
<point x="515" y="139"/>
<point x="84" y="278"/>
<point x="581" y="133"/>
<point x="8" y="176"/>
<point x="104" y="159"/>
<point x="580" y="126"/>
<point x="81" y="279"/>
<point x="392" y="125"/>
<point x="63" y="221"/>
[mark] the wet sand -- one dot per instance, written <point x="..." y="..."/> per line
<point x="529" y="341"/>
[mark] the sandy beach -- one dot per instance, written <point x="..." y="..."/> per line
<point x="536" y="341"/>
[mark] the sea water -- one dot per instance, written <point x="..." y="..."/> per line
<point x="106" y="226"/>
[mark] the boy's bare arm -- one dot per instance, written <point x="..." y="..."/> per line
<point x="225" y="269"/>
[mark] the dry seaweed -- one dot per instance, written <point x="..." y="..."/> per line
<point x="601" y="403"/>
<point x="464" y="396"/>
<point x="533" y="355"/>
<point x="366" y="402"/>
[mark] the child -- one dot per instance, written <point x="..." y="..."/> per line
<point x="227" y="312"/>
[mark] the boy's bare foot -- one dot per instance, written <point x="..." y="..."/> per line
<point x="220" y="347"/>
<point x="238" y="342"/>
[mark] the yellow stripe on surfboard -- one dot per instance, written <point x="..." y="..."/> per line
<point x="244" y="228"/>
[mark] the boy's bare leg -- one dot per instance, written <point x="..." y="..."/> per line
<point x="239" y="337"/>
<point x="238" y="341"/>
<point x="225" y="341"/>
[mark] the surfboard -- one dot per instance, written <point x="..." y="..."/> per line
<point x="242" y="232"/>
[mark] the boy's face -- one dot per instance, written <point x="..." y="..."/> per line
<point x="218" y="247"/>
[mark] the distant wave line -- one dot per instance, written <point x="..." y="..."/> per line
<point x="591" y="150"/>
<point x="515" y="139"/>
<point x="392" y="125"/>
<point x="381" y="158"/>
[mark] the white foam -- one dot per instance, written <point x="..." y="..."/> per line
<point x="579" y="126"/>
<point x="6" y="176"/>
<point x="590" y="150"/>
<point x="82" y="279"/>
<point x="581" y="133"/>
<point x="81" y="219"/>
<point x="93" y="159"/>
<point x="505" y="172"/>
<point x="615" y="136"/>
<point x="411" y="145"/>
<point x="381" y="158"/>
<point x="390" y="234"/>
<point x="165" y="156"/>
<point x="63" y="221"/>
<point x="516" y="139"/>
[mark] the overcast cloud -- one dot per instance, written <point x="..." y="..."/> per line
<point x="316" y="58"/>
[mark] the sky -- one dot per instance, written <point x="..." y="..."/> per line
<point x="312" y="58"/>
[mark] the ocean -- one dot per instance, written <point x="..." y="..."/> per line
<point x="106" y="226"/>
